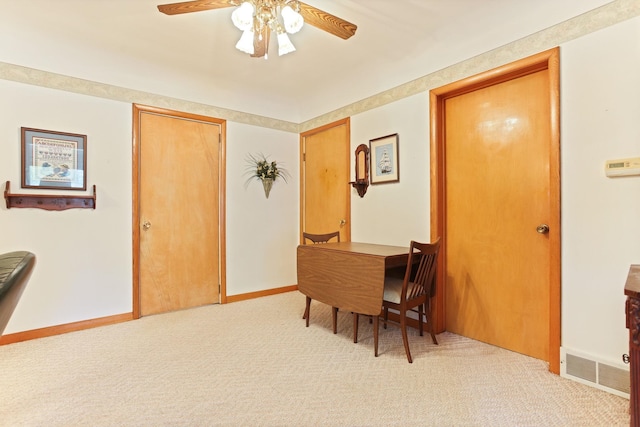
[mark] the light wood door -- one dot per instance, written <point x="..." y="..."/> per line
<point x="500" y="157"/>
<point x="497" y="194"/>
<point x="179" y="162"/>
<point x="325" y="186"/>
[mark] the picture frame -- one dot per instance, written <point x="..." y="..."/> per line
<point x="53" y="160"/>
<point x="385" y="166"/>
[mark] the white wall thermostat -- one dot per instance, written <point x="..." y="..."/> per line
<point x="622" y="167"/>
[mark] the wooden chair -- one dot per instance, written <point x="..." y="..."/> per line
<point x="320" y="239"/>
<point x="415" y="290"/>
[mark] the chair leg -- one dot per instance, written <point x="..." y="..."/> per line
<point x="386" y="317"/>
<point x="307" y="309"/>
<point x="376" y="323"/>
<point x="430" y="325"/>
<point x="420" y="312"/>
<point x="405" y="338"/>
<point x="335" y="319"/>
<point x="355" y="327"/>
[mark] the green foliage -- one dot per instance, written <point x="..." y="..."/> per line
<point x="260" y="168"/>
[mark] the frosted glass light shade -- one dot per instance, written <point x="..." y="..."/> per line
<point x="242" y="17"/>
<point x="284" y="44"/>
<point x="245" y="44"/>
<point x="293" y="21"/>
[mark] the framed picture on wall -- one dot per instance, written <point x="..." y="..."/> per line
<point x="53" y="159"/>
<point x="383" y="153"/>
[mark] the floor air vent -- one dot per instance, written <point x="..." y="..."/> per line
<point x="615" y="378"/>
<point x="598" y="374"/>
<point x="582" y="368"/>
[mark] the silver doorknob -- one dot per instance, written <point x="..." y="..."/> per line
<point x="343" y="222"/>
<point x="543" y="229"/>
<point x="146" y="225"/>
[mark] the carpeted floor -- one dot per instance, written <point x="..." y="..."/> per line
<point x="254" y="363"/>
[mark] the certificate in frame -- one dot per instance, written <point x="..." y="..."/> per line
<point x="55" y="160"/>
<point x="385" y="165"/>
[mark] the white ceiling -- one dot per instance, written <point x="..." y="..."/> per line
<point x="192" y="56"/>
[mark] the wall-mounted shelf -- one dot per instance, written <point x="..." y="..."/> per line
<point x="362" y="170"/>
<point x="49" y="202"/>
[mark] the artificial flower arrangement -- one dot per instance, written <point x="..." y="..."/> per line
<point x="260" y="168"/>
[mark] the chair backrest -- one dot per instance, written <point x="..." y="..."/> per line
<point x="320" y="238"/>
<point x="421" y="270"/>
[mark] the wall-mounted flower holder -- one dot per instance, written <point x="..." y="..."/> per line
<point x="264" y="170"/>
<point x="267" y="183"/>
<point x="362" y="170"/>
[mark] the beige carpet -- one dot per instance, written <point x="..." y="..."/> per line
<point x="254" y="363"/>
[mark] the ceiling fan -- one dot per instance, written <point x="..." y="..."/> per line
<point x="258" y="18"/>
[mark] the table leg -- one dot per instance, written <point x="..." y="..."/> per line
<point x="356" y="316"/>
<point x="376" y="321"/>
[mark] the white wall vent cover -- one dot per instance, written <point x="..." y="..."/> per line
<point x="596" y="373"/>
<point x="613" y="377"/>
<point x="581" y="368"/>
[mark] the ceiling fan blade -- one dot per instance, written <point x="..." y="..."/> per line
<point x="193" y="6"/>
<point x="261" y="44"/>
<point x="327" y="22"/>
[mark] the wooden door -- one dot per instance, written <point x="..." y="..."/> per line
<point x="500" y="158"/>
<point x="178" y="210"/>
<point x="325" y="185"/>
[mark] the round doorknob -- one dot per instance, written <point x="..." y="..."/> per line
<point x="146" y="225"/>
<point x="543" y="229"/>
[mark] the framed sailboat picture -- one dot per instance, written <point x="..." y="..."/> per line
<point x="383" y="153"/>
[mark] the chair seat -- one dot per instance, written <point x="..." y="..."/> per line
<point x="393" y="289"/>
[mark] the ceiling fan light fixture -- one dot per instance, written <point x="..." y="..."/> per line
<point x="261" y="19"/>
<point x="242" y="17"/>
<point x="284" y="44"/>
<point x="245" y="44"/>
<point x="293" y="21"/>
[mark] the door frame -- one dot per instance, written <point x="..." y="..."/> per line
<point x="547" y="60"/>
<point x="138" y="110"/>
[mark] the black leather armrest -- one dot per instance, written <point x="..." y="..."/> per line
<point x="15" y="270"/>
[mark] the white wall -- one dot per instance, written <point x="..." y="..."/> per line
<point x="84" y="256"/>
<point x="600" y="216"/>
<point x="262" y="234"/>
<point x="395" y="213"/>
<point x="83" y="266"/>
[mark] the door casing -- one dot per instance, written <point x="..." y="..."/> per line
<point x="548" y="60"/>
<point x="138" y="110"/>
